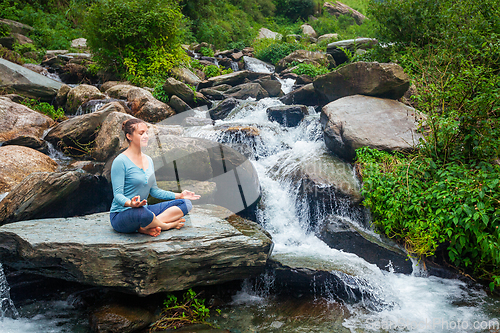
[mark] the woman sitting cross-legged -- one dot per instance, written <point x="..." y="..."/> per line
<point x="133" y="179"/>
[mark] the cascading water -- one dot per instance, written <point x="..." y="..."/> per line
<point x="402" y="302"/>
<point x="7" y="308"/>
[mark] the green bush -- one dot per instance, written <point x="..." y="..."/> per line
<point x="310" y="69"/>
<point x="273" y="50"/>
<point x="213" y="70"/>
<point x="295" y="9"/>
<point x="160" y="94"/>
<point x="427" y="205"/>
<point x="207" y="52"/>
<point x="139" y="38"/>
<point x="45" y="108"/>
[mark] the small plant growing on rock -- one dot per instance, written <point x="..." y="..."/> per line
<point x="310" y="70"/>
<point x="177" y="313"/>
<point x="160" y="94"/>
<point x="207" y="52"/>
<point x="44" y="108"/>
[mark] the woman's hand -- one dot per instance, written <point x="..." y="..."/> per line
<point x="135" y="202"/>
<point x="189" y="195"/>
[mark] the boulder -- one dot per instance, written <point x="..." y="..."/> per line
<point x="178" y="104"/>
<point x="195" y="121"/>
<point x="146" y="107"/>
<point x="18" y="120"/>
<point x="339" y="8"/>
<point x="307" y="57"/>
<point x="273" y="87"/>
<point x="385" y="80"/>
<point x="362" y="121"/>
<point x="308" y="30"/>
<point x="213" y="247"/>
<point x="236" y="56"/>
<point x="287" y="115"/>
<point x="232" y="79"/>
<point x="181" y="90"/>
<point x="111" y="138"/>
<point x="82" y="129"/>
<point x="79" y="43"/>
<point x="62" y="95"/>
<point x="118" y="90"/>
<point x="304" y="95"/>
<point x="21" y="39"/>
<point x="96" y="104"/>
<point x="16" y="27"/>
<point x="56" y="194"/>
<point x="8" y="43"/>
<point x="30" y="142"/>
<point x="327" y="37"/>
<point x="17" y="162"/>
<point x="266" y="33"/>
<point x="185" y="75"/>
<point x="120" y="318"/>
<point x="81" y="94"/>
<point x="304" y="79"/>
<point x="16" y="78"/>
<point x="222" y="87"/>
<point x="213" y="93"/>
<point x="338" y="49"/>
<point x="243" y="139"/>
<point x="222" y="110"/>
<point x="246" y="90"/>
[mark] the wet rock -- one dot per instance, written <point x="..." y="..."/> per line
<point x="222" y="87"/>
<point x="273" y="87"/>
<point x="243" y="139"/>
<point x="304" y="95"/>
<point x="111" y="138"/>
<point x="213" y="247"/>
<point x="81" y="94"/>
<point x="337" y="9"/>
<point x="232" y="79"/>
<point x="96" y="104"/>
<point x="181" y="90"/>
<point x="185" y="75"/>
<point x="144" y="106"/>
<point x="266" y="33"/>
<point x="287" y="115"/>
<point x="361" y="121"/>
<point x="119" y="90"/>
<point x="304" y="79"/>
<point x="222" y="110"/>
<point x="18" y="120"/>
<point x="364" y="78"/>
<point x="82" y="129"/>
<point x="347" y="235"/>
<point x="236" y="56"/>
<point x="178" y="104"/>
<point x="245" y="90"/>
<point x="255" y="65"/>
<point x="30" y="142"/>
<point x="120" y="318"/>
<point x="213" y="93"/>
<point x="17" y="79"/>
<point x="17" y="162"/>
<point x="56" y="194"/>
<point x="306" y="57"/>
<point x="308" y="30"/>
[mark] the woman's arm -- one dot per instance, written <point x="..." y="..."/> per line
<point x="118" y="181"/>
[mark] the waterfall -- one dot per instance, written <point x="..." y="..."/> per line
<point x="7" y="307"/>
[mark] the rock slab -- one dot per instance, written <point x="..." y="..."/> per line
<point x="213" y="247"/>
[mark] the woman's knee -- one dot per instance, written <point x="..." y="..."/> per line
<point x="189" y="205"/>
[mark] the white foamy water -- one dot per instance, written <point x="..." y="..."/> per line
<point x="411" y="303"/>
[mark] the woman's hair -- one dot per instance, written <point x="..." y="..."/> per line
<point x="128" y="126"/>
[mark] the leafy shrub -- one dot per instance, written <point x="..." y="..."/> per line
<point x="160" y="94"/>
<point x="310" y="69"/>
<point x="45" y="108"/>
<point x="426" y="205"/>
<point x="213" y="70"/>
<point x="274" y="51"/>
<point x="207" y="52"/>
<point x="138" y="38"/>
<point x="4" y="30"/>
<point x="295" y="9"/>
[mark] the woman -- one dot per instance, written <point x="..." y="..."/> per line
<point x="133" y="179"/>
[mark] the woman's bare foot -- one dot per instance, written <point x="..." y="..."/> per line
<point x="151" y="231"/>
<point x="176" y="224"/>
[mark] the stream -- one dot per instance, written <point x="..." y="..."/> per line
<point x="404" y="303"/>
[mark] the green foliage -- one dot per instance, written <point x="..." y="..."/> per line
<point x="52" y="29"/>
<point x="207" y="52"/>
<point x="4" y="30"/>
<point x="139" y="38"/>
<point x="213" y="70"/>
<point x="428" y="205"/>
<point x="160" y="94"/>
<point x="45" y="108"/>
<point x="272" y="51"/>
<point x="295" y="9"/>
<point x="177" y="313"/>
<point x="310" y="69"/>
<point x="11" y="56"/>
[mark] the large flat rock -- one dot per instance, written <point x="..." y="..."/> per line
<point x="213" y="247"/>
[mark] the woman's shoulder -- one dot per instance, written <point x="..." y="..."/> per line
<point x="120" y="159"/>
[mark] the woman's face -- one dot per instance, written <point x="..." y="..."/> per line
<point x="140" y="136"/>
